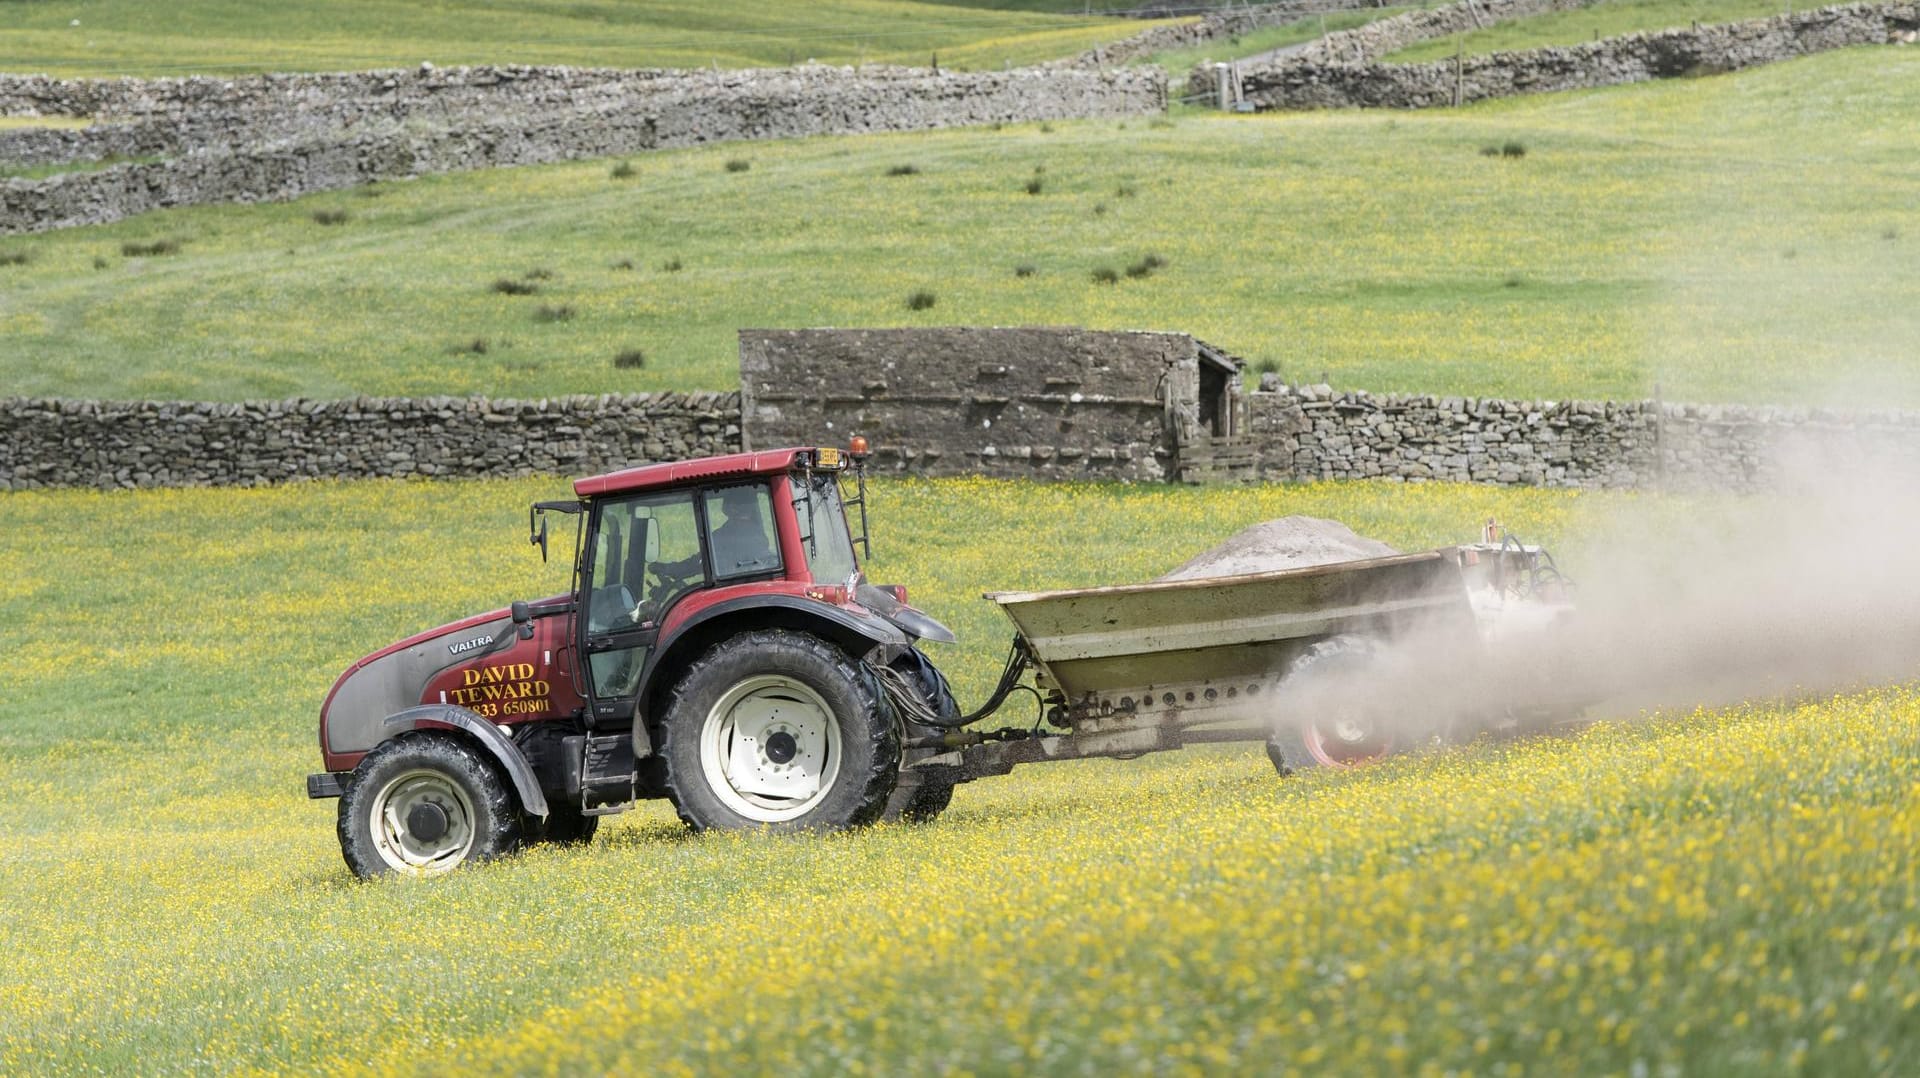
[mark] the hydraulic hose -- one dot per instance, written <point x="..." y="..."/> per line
<point x="914" y="707"/>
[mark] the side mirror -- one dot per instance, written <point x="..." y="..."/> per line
<point x="537" y="521"/>
<point x="523" y="618"/>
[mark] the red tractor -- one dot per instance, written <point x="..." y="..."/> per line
<point x="719" y="648"/>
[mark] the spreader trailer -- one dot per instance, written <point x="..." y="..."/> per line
<point x="1279" y="657"/>
<point x="721" y="648"/>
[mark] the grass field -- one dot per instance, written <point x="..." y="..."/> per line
<point x="1754" y="236"/>
<point x="1611" y="18"/>
<point x="131" y="37"/>
<point x="1728" y="891"/>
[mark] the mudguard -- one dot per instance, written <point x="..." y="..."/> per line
<point x="773" y="611"/>
<point x="499" y="745"/>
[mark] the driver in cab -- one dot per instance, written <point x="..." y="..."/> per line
<point x="740" y="544"/>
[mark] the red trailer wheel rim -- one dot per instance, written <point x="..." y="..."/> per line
<point x="1346" y="742"/>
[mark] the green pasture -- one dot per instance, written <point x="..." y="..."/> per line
<point x="131" y="37"/>
<point x="1720" y="892"/>
<point x="1747" y="237"/>
<point x="1609" y="18"/>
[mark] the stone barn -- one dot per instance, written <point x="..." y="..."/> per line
<point x="1047" y="402"/>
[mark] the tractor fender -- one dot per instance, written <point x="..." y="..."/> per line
<point x="525" y="783"/>
<point x="858" y="635"/>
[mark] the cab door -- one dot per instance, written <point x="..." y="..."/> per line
<point x="643" y="554"/>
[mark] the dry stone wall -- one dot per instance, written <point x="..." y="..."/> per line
<point x="1312" y="432"/>
<point x="1041" y="403"/>
<point x="1213" y="26"/>
<point x="280" y="136"/>
<point x="1343" y="71"/>
<point x="65" y="443"/>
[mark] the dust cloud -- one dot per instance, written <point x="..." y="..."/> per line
<point x="1677" y="603"/>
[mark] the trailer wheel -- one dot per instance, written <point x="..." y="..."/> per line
<point x="422" y="805"/>
<point x="1323" y="723"/>
<point x="919" y="797"/>
<point x="779" y="729"/>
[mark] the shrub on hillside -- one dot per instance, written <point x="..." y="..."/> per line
<point x="507" y="286"/>
<point x="921" y="300"/>
<point x="631" y="359"/>
<point x="547" y="313"/>
<point x="904" y="170"/>
<point x="738" y="164"/>
<point x="623" y="171"/>
<point x="331" y="217"/>
<point x="150" y="250"/>
<point x="1146" y="266"/>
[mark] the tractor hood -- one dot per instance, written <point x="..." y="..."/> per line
<point x="417" y="669"/>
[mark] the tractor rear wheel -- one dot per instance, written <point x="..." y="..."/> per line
<point x="1325" y="721"/>
<point x="782" y="730"/>
<point x="919" y="797"/>
<point x="422" y="805"/>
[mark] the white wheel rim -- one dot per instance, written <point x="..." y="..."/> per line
<point x="770" y="749"/>
<point x="414" y="796"/>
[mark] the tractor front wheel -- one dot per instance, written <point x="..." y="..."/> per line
<point x="782" y="730"/>
<point x="422" y="805"/>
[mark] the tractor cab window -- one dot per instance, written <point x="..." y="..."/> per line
<point x="740" y="531"/>
<point x="823" y="528"/>
<point x="645" y="554"/>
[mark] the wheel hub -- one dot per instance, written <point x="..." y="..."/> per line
<point x="427" y="821"/>
<point x="782" y="747"/>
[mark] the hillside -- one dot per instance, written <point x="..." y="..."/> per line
<point x="132" y="37"/>
<point x="1753" y="236"/>
<point x="1610" y="18"/>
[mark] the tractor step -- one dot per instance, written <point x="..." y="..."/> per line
<point x="606" y="774"/>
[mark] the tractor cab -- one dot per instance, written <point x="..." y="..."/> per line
<point x="671" y="559"/>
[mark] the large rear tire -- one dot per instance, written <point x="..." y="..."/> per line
<point x="919" y="797"/>
<point x="781" y="730"/>
<point x="422" y="805"/>
<point x="1325" y="721"/>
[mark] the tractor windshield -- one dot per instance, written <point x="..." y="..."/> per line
<point x="823" y="528"/>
